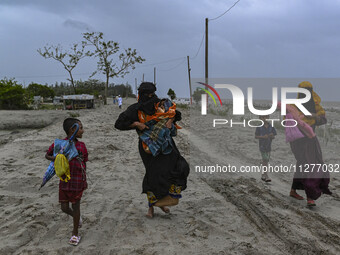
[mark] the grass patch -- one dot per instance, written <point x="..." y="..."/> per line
<point x="73" y="114"/>
<point x="183" y="106"/>
<point x="50" y="107"/>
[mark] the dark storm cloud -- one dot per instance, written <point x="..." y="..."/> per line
<point x="82" y="26"/>
<point x="257" y="38"/>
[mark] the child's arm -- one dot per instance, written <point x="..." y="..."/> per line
<point x="51" y="158"/>
<point x="258" y="136"/>
<point x="261" y="137"/>
<point x="49" y="153"/>
<point x="168" y="124"/>
<point x="273" y="134"/>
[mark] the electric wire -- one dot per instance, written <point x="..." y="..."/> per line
<point x="225" y="11"/>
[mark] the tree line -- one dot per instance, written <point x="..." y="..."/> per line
<point x="94" y="87"/>
<point x="14" y="96"/>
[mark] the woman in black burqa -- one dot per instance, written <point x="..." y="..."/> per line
<point x="166" y="174"/>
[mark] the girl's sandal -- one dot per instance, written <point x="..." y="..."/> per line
<point x="311" y="203"/>
<point x="296" y="196"/>
<point x="74" y="240"/>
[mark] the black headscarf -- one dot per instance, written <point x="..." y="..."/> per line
<point x="147" y="104"/>
<point x="310" y="105"/>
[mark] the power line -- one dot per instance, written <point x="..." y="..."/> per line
<point x="172" y="68"/>
<point x="199" y="47"/>
<point x="225" y="11"/>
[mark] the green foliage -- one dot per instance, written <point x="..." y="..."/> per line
<point x="35" y="89"/>
<point x="73" y="114"/>
<point x="197" y="95"/>
<point x="171" y="94"/>
<point x="12" y="95"/>
<point x="93" y="87"/>
<point x="122" y="90"/>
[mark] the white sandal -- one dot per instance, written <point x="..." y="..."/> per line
<point x="74" y="240"/>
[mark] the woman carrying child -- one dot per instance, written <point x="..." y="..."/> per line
<point x="307" y="152"/>
<point x="155" y="123"/>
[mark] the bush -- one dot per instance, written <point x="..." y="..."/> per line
<point x="12" y="95"/>
<point x="35" y="89"/>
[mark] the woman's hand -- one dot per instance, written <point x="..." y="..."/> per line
<point x="139" y="125"/>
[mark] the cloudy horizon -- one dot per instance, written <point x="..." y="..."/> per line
<point x="257" y="38"/>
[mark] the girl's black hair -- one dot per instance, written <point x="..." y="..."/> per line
<point x="68" y="123"/>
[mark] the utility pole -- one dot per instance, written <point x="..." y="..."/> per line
<point x="136" y="88"/>
<point x="154" y="76"/>
<point x="189" y="69"/>
<point x="143" y="78"/>
<point x="206" y="54"/>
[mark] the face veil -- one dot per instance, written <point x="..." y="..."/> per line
<point x="146" y="103"/>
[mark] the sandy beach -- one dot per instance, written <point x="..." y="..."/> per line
<point x="218" y="214"/>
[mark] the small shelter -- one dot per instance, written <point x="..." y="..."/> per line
<point x="75" y="102"/>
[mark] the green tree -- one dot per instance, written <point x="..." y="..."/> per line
<point x="69" y="59"/>
<point x="171" y="94"/>
<point x="91" y="86"/>
<point x="197" y="95"/>
<point x="35" y="89"/>
<point x="12" y="95"/>
<point x="104" y="51"/>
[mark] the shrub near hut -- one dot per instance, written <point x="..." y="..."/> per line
<point x="44" y="91"/>
<point x="12" y="95"/>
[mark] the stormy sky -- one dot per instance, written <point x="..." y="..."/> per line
<point x="256" y="38"/>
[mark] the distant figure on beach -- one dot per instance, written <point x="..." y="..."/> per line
<point x="72" y="191"/>
<point x="114" y="99"/>
<point x="307" y="152"/>
<point x="166" y="170"/>
<point x="265" y="134"/>
<point x="120" y="102"/>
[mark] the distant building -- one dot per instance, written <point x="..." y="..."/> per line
<point x="182" y="101"/>
<point x="75" y="102"/>
<point x="37" y="99"/>
<point x="56" y="100"/>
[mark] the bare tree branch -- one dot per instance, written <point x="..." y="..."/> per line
<point x="69" y="59"/>
<point x="104" y="51"/>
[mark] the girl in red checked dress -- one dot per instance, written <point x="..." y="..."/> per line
<point x="72" y="191"/>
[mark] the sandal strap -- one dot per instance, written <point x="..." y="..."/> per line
<point x="74" y="240"/>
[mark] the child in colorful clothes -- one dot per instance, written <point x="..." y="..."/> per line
<point x="265" y="134"/>
<point x="72" y="191"/>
